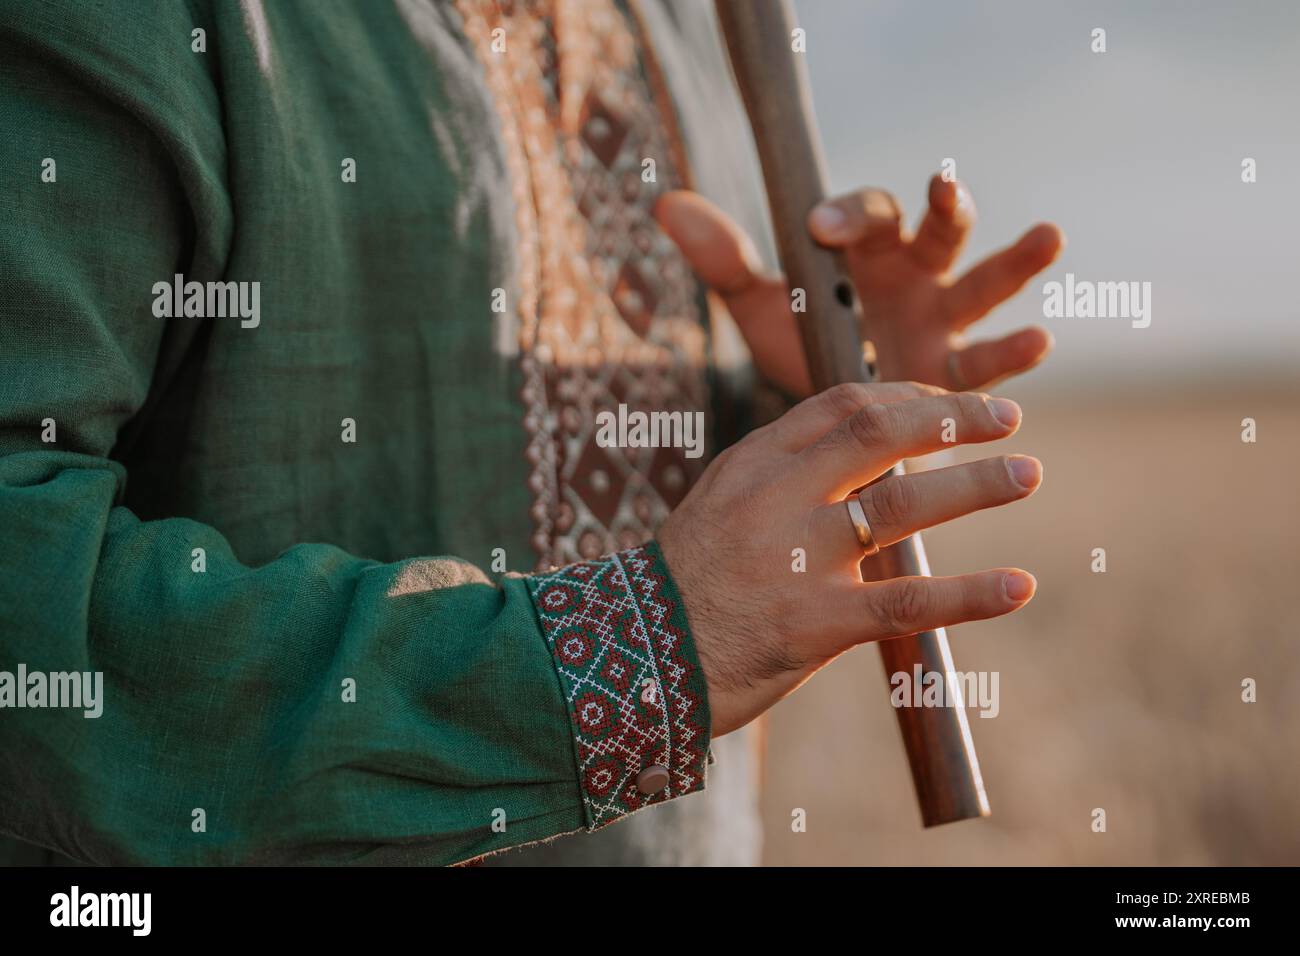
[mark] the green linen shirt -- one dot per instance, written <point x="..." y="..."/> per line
<point x="285" y="679"/>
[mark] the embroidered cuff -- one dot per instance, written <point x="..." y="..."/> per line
<point x="637" y="701"/>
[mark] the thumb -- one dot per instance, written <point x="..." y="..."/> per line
<point x="717" y="249"/>
<point x="724" y="258"/>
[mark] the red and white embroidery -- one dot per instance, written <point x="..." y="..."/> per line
<point x="635" y="692"/>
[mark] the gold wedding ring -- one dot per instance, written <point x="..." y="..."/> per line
<point x="860" y="525"/>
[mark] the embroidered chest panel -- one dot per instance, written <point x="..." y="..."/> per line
<point x="608" y="312"/>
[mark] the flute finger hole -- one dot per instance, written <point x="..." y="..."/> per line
<point x="844" y="293"/>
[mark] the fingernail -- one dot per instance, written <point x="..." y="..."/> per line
<point x="1018" y="586"/>
<point x="1025" y="471"/>
<point x="1005" y="411"/>
<point x="828" y="219"/>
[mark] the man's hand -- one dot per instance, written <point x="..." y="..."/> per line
<point x="762" y="627"/>
<point x="916" y="312"/>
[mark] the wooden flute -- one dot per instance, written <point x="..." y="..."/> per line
<point x="773" y="83"/>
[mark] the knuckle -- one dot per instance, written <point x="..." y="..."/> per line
<point x="973" y="600"/>
<point x="874" y="426"/>
<point x="924" y="389"/>
<point x="986" y="479"/>
<point x="739" y="474"/>
<point x="892" y="502"/>
<point x="982" y="596"/>
<point x="846" y="399"/>
<point x="971" y="407"/>
<point x="900" y="608"/>
<point x="727" y="464"/>
<point x="725" y="458"/>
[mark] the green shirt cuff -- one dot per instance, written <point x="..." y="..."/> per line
<point x="617" y="631"/>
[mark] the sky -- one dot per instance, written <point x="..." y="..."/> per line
<point x="1136" y="153"/>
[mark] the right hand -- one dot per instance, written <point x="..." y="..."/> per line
<point x="761" y="628"/>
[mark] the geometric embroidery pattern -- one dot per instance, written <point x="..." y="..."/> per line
<point x="635" y="691"/>
<point x="609" y="313"/>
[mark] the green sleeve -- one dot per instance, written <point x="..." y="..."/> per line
<point x="316" y="708"/>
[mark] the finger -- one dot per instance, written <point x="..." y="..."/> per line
<point x="901" y="505"/>
<point x="814" y="417"/>
<point x="984" y="363"/>
<point x="880" y="610"/>
<point x="724" y="258"/>
<point x="870" y="441"/>
<point x="947" y="223"/>
<point x="869" y="220"/>
<point x="1001" y="275"/>
<point x="717" y="249"/>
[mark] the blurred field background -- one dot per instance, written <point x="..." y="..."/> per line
<point x="1119" y="690"/>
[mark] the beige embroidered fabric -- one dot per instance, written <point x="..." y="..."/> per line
<point x="608" y="311"/>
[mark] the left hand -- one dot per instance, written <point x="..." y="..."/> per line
<point x="915" y="310"/>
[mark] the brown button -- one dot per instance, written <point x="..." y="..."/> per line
<point x="652" y="779"/>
